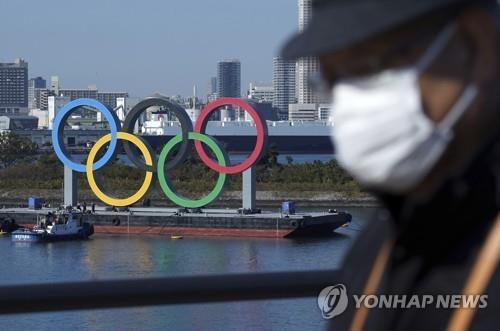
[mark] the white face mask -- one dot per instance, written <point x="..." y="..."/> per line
<point x="381" y="133"/>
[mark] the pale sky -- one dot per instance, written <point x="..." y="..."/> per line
<point x="145" y="46"/>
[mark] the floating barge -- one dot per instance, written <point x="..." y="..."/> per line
<point x="206" y="222"/>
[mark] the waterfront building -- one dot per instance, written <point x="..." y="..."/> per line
<point x="35" y="86"/>
<point x="284" y="72"/>
<point x="10" y="122"/>
<point x="109" y="98"/>
<point x="308" y="102"/>
<point x="73" y="94"/>
<point x="213" y="85"/>
<point x="14" y="87"/>
<point x="303" y="112"/>
<point x="308" y="66"/>
<point x="37" y="82"/>
<point x="54" y="85"/>
<point x="123" y="106"/>
<point x="194" y="106"/>
<point x="211" y="97"/>
<point x="229" y="86"/>
<point x="229" y="79"/>
<point x="127" y="103"/>
<point x="106" y="98"/>
<point x="43" y="117"/>
<point x="212" y="89"/>
<point x="261" y="92"/>
<point x="55" y="104"/>
<point x="264" y="108"/>
<point x="325" y="113"/>
<point x="44" y="98"/>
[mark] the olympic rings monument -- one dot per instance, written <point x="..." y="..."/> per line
<point x="190" y="219"/>
<point x="153" y="165"/>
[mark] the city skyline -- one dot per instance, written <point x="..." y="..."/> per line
<point x="129" y="57"/>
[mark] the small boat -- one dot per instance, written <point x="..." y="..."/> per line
<point x="56" y="227"/>
<point x="176" y="237"/>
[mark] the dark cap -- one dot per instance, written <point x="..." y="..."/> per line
<point x="338" y="24"/>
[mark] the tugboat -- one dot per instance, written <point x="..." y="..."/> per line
<point x="56" y="227"/>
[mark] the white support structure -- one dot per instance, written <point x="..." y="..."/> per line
<point x="249" y="189"/>
<point x="70" y="187"/>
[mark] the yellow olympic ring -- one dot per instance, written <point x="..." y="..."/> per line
<point x="147" y="180"/>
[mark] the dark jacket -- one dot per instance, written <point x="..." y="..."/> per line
<point x="434" y="248"/>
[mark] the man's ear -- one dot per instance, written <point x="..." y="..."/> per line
<point x="479" y="30"/>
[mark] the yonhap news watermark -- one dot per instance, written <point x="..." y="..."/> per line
<point x="334" y="300"/>
<point x="421" y="301"/>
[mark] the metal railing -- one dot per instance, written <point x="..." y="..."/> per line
<point x="162" y="291"/>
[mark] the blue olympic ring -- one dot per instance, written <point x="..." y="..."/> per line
<point x="57" y="132"/>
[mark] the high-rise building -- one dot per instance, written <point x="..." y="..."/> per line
<point x="212" y="85"/>
<point x="35" y="87"/>
<point x="308" y="66"/>
<point x="54" y="85"/>
<point x="44" y="98"/>
<point x="212" y="89"/>
<point x="37" y="82"/>
<point x="308" y="102"/>
<point x="284" y="85"/>
<point x="229" y="79"/>
<point x="14" y="87"/>
<point x="261" y="92"/>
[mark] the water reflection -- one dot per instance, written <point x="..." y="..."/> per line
<point x="105" y="256"/>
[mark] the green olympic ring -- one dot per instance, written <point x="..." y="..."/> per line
<point x="167" y="186"/>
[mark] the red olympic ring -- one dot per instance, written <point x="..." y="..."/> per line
<point x="201" y="125"/>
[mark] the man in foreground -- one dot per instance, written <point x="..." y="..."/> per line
<point x="415" y="89"/>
